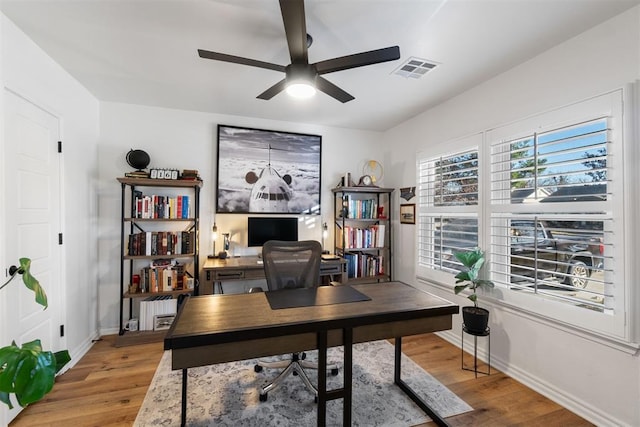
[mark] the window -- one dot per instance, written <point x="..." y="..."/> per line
<point x="448" y="207"/>
<point x="543" y="198"/>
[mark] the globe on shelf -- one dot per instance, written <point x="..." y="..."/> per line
<point x="138" y="159"/>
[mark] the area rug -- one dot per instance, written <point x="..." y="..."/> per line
<point x="228" y="394"/>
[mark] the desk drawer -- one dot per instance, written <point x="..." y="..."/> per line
<point x="330" y="269"/>
<point x="239" y="274"/>
<point x="255" y="273"/>
<point x="229" y="275"/>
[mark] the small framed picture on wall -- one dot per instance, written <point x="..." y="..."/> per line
<point x="408" y="214"/>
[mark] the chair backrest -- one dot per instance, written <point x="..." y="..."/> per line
<point x="290" y="265"/>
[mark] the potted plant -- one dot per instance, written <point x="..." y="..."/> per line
<point x="475" y="318"/>
<point x="28" y="372"/>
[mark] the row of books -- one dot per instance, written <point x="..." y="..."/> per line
<point x="360" y="209"/>
<point x="370" y="237"/>
<point x="161" y="207"/>
<point x="150" y="243"/>
<point x="162" y="275"/>
<point x="364" y="265"/>
<point x="153" y="307"/>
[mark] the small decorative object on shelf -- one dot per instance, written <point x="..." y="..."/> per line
<point x="190" y="174"/>
<point x="156" y="173"/>
<point x="138" y="159"/>
<point x="162" y="322"/>
<point x="365" y="181"/>
<point x="346" y="180"/>
<point x="137" y="174"/>
<point x="374" y="170"/>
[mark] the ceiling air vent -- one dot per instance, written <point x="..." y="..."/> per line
<point x="415" y="68"/>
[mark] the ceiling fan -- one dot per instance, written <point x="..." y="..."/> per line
<point x="300" y="70"/>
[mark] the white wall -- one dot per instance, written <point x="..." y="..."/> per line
<point x="581" y="372"/>
<point x="27" y="71"/>
<point x="188" y="140"/>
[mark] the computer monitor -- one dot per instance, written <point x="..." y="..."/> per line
<point x="262" y="229"/>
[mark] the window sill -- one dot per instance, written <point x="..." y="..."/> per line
<point x="627" y="347"/>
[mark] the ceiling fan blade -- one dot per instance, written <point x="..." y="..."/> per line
<point x="273" y="90"/>
<point x="358" y="60"/>
<point x="332" y="90"/>
<point x="239" y="60"/>
<point x="296" y="29"/>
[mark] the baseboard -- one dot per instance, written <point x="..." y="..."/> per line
<point x="109" y="331"/>
<point x="77" y="353"/>
<point x="571" y="403"/>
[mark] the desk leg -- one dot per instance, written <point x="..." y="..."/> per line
<point x="348" y="376"/>
<point x="408" y="391"/>
<point x="322" y="379"/>
<point x="219" y="286"/>
<point x="343" y="393"/>
<point x="183" y="417"/>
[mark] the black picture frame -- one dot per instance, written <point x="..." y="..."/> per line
<point x="408" y="213"/>
<point x="268" y="172"/>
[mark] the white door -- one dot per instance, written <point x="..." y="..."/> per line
<point x="32" y="205"/>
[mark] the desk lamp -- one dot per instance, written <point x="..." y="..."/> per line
<point x="214" y="237"/>
<point x="325" y="233"/>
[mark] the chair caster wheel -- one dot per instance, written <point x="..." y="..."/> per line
<point x="334" y="371"/>
<point x="303" y="356"/>
<point x="295" y="373"/>
<point x="257" y="368"/>
<point x="315" y="399"/>
<point x="263" y="397"/>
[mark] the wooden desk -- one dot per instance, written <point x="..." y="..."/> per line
<point x="213" y="329"/>
<point x="215" y="271"/>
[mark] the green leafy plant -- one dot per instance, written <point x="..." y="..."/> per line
<point x="28" y="372"/>
<point x="473" y="260"/>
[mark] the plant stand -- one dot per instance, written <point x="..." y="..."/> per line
<point x="486" y="333"/>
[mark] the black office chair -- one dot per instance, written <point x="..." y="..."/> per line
<point x="291" y="265"/>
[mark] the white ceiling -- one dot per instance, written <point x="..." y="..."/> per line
<point x="145" y="51"/>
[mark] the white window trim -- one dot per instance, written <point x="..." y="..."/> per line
<point x="620" y="328"/>
<point x="468" y="143"/>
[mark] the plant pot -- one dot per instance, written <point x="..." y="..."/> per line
<point x="476" y="319"/>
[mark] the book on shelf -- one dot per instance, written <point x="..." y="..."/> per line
<point x="359" y="208"/>
<point x="365" y="238"/>
<point x="152" y="243"/>
<point x="163" y="275"/>
<point x="137" y="174"/>
<point x="158" y="305"/>
<point x="364" y="265"/>
<point x="190" y="174"/>
<point x="161" y="207"/>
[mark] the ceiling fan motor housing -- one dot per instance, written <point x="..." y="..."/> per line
<point x="301" y="72"/>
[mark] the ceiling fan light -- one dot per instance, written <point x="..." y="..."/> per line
<point x="301" y="89"/>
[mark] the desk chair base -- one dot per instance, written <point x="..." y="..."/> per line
<point x="294" y="366"/>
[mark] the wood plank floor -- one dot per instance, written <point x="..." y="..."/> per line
<point x="107" y="387"/>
